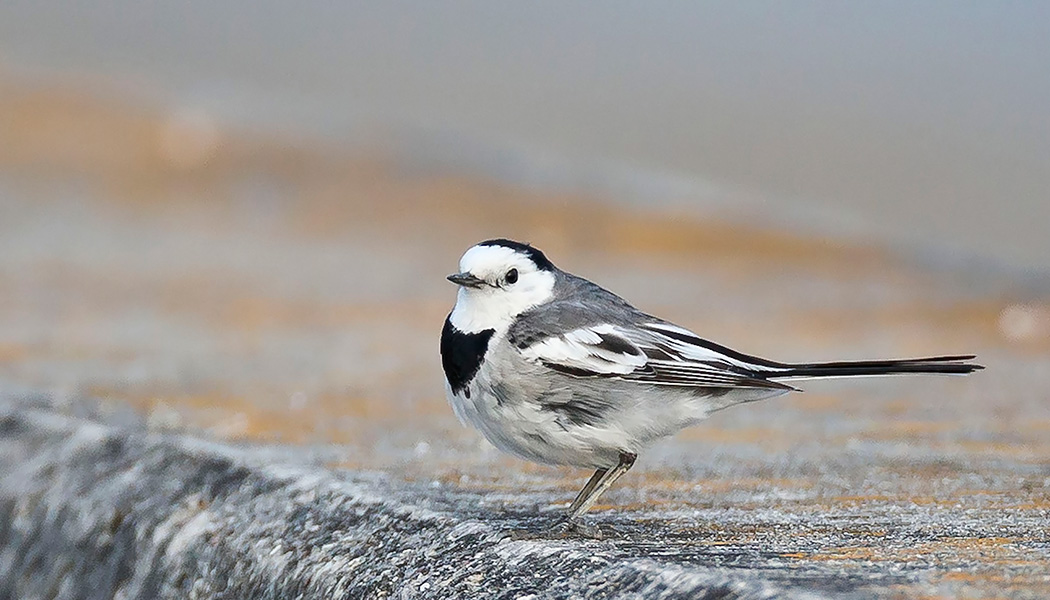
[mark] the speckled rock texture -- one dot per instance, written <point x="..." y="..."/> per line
<point x="91" y="511"/>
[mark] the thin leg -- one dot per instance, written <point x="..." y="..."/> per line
<point x="587" y="489"/>
<point x="605" y="481"/>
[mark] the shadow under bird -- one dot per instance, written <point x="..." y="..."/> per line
<point x="554" y="369"/>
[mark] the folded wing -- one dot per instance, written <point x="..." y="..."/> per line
<point x="645" y="353"/>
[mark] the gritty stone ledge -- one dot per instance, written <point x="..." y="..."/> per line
<point x="90" y="510"/>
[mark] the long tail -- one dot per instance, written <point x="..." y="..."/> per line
<point x="950" y="365"/>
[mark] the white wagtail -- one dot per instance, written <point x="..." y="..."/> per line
<point x="555" y="369"/>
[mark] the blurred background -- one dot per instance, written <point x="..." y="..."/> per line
<point x="237" y="216"/>
<point x="922" y="124"/>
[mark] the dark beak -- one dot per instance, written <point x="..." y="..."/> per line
<point x="466" y="280"/>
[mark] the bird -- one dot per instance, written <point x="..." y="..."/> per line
<point x="554" y="369"/>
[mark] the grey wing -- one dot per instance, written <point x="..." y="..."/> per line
<point x="651" y="351"/>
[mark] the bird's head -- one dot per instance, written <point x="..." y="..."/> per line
<point x="498" y="280"/>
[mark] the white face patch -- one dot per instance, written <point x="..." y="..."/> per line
<point x="495" y="304"/>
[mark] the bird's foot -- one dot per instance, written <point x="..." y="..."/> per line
<point x="575" y="528"/>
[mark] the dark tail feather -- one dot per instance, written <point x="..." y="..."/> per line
<point x="950" y="365"/>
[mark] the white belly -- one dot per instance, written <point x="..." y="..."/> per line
<point x="519" y="425"/>
<point x="535" y="434"/>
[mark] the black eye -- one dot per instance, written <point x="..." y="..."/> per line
<point x="512" y="276"/>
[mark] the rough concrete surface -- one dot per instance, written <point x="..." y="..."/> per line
<point x="90" y="511"/>
<point x="218" y="359"/>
